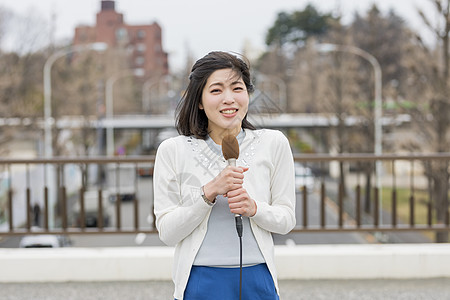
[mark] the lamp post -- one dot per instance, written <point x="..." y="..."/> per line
<point x="146" y="88"/>
<point x="378" y="130"/>
<point x="48" y="120"/>
<point x="109" y="103"/>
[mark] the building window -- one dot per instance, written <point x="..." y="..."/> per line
<point x="121" y="34"/>
<point x="139" y="72"/>
<point x="139" y="61"/>
<point x="141" y="48"/>
<point x="83" y="36"/>
<point x="141" y="34"/>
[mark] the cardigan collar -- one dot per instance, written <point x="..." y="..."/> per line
<point x="208" y="157"/>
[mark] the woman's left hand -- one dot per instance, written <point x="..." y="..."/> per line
<point x="241" y="203"/>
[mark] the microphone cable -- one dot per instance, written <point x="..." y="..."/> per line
<point x="238" y="219"/>
<point x="230" y="151"/>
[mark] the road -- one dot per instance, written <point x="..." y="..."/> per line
<point x="380" y="289"/>
<point x="331" y="218"/>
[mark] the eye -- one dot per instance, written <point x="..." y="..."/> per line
<point x="215" y="91"/>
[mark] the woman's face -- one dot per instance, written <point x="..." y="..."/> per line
<point x="225" y="102"/>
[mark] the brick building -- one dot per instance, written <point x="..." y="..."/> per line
<point x="140" y="44"/>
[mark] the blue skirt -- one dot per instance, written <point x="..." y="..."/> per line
<point x="206" y="283"/>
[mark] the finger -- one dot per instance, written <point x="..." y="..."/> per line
<point x="233" y="192"/>
<point x="238" y="208"/>
<point x="244" y="169"/>
<point x="236" y="194"/>
<point x="238" y="180"/>
<point x="239" y="170"/>
<point x="235" y="169"/>
<point x="233" y="183"/>
<point x="235" y="175"/>
<point x="241" y="207"/>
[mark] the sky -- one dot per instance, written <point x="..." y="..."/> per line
<point x="196" y="27"/>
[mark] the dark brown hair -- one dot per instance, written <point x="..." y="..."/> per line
<point x="189" y="118"/>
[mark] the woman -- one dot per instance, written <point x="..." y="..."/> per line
<point x="197" y="194"/>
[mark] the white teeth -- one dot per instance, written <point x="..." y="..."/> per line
<point x="229" y="111"/>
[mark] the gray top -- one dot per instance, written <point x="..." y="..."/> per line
<point x="220" y="246"/>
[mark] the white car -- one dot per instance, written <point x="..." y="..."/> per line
<point x="303" y="177"/>
<point x="43" y="241"/>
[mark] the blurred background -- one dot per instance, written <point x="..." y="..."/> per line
<point x="140" y="53"/>
<point x="92" y="78"/>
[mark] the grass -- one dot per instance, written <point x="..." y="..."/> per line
<point x="421" y="200"/>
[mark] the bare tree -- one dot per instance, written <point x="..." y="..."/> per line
<point x="5" y="17"/>
<point x="21" y="65"/>
<point x="429" y="89"/>
<point x="28" y="33"/>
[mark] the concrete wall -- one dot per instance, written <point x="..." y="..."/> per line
<point x="293" y="262"/>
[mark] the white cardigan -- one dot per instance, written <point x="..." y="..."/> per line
<point x="183" y="164"/>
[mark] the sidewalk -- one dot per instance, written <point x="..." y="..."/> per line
<point x="408" y="271"/>
<point x="436" y="289"/>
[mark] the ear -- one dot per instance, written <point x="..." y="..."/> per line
<point x="200" y="105"/>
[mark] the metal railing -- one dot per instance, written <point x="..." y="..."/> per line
<point x="50" y="195"/>
<point x="358" y="200"/>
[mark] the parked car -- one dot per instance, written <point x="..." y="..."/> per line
<point x="44" y="241"/>
<point x="124" y="185"/>
<point x="303" y="177"/>
<point x="126" y="194"/>
<point x="91" y="209"/>
<point x="145" y="170"/>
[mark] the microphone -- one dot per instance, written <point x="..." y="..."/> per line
<point x="230" y="151"/>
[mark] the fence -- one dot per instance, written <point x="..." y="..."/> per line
<point x="88" y="195"/>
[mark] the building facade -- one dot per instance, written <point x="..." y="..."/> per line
<point x="141" y="45"/>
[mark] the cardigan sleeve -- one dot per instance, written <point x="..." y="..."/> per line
<point x="174" y="221"/>
<point x="278" y="215"/>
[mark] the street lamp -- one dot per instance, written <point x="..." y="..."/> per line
<point x="109" y="103"/>
<point x="377" y="72"/>
<point x="147" y="86"/>
<point x="325" y="48"/>
<point x="48" y="120"/>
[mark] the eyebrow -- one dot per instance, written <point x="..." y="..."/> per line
<point x="222" y="84"/>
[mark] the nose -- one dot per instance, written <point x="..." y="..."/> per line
<point x="228" y="97"/>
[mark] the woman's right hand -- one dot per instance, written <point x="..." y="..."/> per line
<point x="229" y="179"/>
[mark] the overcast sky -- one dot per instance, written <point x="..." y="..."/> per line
<point x="202" y="25"/>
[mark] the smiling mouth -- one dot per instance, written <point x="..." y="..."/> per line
<point x="228" y="111"/>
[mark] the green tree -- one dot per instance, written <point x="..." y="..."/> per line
<point x="286" y="37"/>
<point x="296" y="27"/>
<point x="386" y="37"/>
